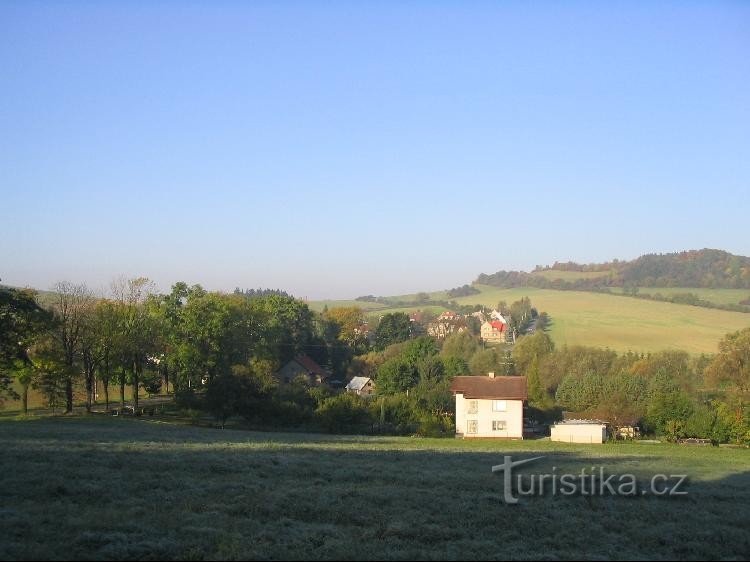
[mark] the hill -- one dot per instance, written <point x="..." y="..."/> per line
<point x="695" y="268"/>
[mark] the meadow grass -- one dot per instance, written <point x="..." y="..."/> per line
<point x="93" y="488"/>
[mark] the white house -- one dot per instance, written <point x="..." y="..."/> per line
<point x="489" y="406"/>
<point x="363" y="386"/>
<point x="579" y="431"/>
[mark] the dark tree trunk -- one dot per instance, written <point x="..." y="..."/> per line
<point x="165" y="378"/>
<point x="25" y="399"/>
<point x="105" y="383"/>
<point x="68" y="395"/>
<point x="136" y="381"/>
<point x="122" y="390"/>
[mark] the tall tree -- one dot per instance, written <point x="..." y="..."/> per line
<point x="22" y="323"/>
<point x="71" y="305"/>
<point x="137" y="327"/>
<point x="393" y="328"/>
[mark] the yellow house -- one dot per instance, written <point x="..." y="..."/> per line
<point x="490" y="406"/>
<point x="494" y="332"/>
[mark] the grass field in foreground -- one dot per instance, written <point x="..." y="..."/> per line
<point x="130" y="489"/>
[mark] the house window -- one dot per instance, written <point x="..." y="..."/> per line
<point x="473" y="407"/>
<point x="498" y="425"/>
<point x="499" y="405"/>
<point x="471" y="426"/>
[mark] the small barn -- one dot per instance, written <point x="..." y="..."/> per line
<point x="364" y="386"/>
<point x="579" y="431"/>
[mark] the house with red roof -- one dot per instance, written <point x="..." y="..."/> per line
<point x="303" y="366"/>
<point x="494" y="331"/>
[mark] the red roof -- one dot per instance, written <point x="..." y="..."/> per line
<point x="498" y="325"/>
<point x="310" y="365"/>
<point x="498" y="388"/>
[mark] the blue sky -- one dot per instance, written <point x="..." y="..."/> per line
<point x="343" y="148"/>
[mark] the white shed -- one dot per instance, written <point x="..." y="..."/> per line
<point x="579" y="431"/>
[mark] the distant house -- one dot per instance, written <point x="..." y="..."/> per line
<point x="494" y="331"/>
<point x="448" y="315"/>
<point x="495" y="315"/>
<point x="303" y="366"/>
<point x="363" y="386"/>
<point x="442" y="329"/>
<point x="417" y="316"/>
<point x="490" y="406"/>
<point x="579" y="431"/>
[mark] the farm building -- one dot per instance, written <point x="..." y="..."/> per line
<point x="303" y="366"/>
<point x="363" y="386"/>
<point x="579" y="431"/>
<point x="489" y="406"/>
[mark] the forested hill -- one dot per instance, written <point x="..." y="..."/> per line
<point x="694" y="268"/>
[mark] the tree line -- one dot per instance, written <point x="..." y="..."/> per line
<point x="697" y="268"/>
<point x="218" y="354"/>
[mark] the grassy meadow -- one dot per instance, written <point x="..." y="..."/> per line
<point x="93" y="488"/>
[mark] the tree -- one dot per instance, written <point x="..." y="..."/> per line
<point x="349" y="320"/>
<point x="72" y="303"/>
<point x="396" y="375"/>
<point x="460" y="344"/>
<point x="730" y="368"/>
<point x="393" y="328"/>
<point x="531" y="348"/>
<point x="22" y="324"/>
<point x="223" y="396"/>
<point x="137" y="326"/>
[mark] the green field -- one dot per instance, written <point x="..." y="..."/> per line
<point x="129" y="489"/>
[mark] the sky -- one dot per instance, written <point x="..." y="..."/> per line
<point x="336" y="149"/>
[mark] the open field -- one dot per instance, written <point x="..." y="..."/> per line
<point x="131" y="489"/>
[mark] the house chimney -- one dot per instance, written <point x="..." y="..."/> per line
<point x="491" y="374"/>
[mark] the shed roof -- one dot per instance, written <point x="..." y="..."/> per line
<point x="357" y="383"/>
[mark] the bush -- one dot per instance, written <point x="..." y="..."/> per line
<point x="345" y="413"/>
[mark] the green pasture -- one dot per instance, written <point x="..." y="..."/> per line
<point x="125" y="489"/>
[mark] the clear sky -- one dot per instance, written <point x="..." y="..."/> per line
<point x="336" y="149"/>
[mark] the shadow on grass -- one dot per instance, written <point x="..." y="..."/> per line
<point x="91" y="490"/>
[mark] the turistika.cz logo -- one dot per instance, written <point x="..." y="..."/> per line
<point x="591" y="481"/>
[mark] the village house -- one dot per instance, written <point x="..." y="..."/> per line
<point x="496" y="315"/>
<point x="490" y="406"/>
<point x="448" y="315"/>
<point x="362" y="386"/>
<point x="303" y="366"/>
<point x="494" y="332"/>
<point x="442" y="329"/>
